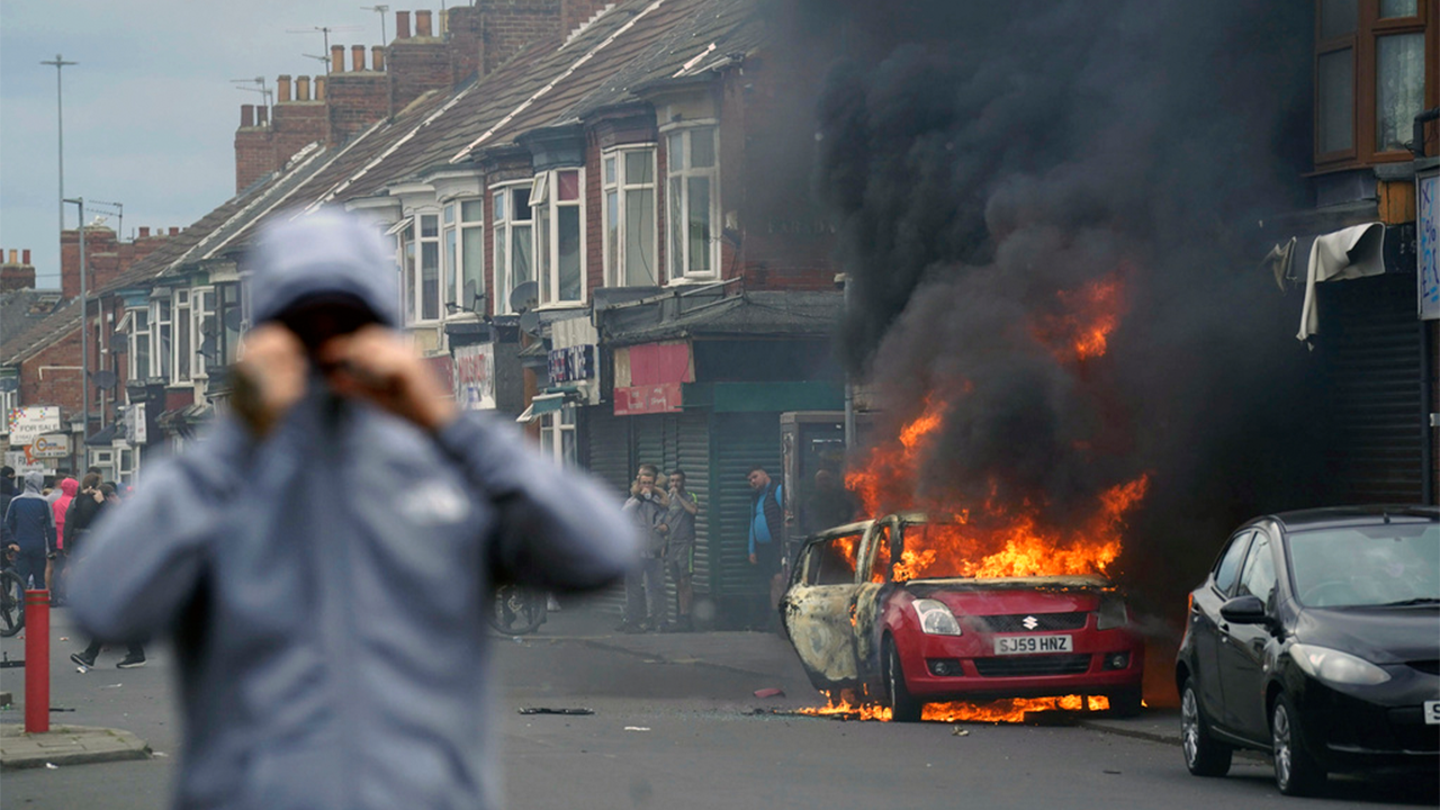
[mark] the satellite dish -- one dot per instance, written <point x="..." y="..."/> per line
<point x="524" y="296"/>
<point x="104" y="378"/>
<point x="119" y="343"/>
<point x="232" y="319"/>
<point x="530" y="322"/>
<point x="207" y="348"/>
<point x="469" y="296"/>
<point x="208" y="327"/>
<point x="9" y="384"/>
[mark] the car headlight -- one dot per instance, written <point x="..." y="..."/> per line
<point x="935" y="618"/>
<point x="1111" y="613"/>
<point x="1333" y="666"/>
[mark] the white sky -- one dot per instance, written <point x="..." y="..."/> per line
<point x="150" y="112"/>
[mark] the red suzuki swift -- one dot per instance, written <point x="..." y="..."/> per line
<point x="937" y="639"/>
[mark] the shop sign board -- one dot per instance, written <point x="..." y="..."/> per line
<point x="28" y="423"/>
<point x="51" y="445"/>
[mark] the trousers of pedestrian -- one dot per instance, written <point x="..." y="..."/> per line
<point x="645" y="592"/>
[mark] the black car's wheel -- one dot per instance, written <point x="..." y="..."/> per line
<point x="904" y="708"/>
<point x="1204" y="755"/>
<point x="12" y="603"/>
<point x="1297" y="773"/>
<point x="1126" y="703"/>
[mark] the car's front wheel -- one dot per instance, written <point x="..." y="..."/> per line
<point x="1296" y="772"/>
<point x="904" y="708"/>
<point x="1204" y="755"/>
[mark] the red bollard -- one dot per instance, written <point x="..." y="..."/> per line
<point x="37" y="661"/>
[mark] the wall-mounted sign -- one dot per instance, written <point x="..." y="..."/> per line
<point x="648" y="377"/>
<point x="475" y="377"/>
<point x="51" y="445"/>
<point x="1427" y="220"/>
<point x="635" y="400"/>
<point x="572" y="364"/>
<point x="135" y="427"/>
<point x="28" y="423"/>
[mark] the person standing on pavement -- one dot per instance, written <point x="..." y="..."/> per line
<point x="94" y="498"/>
<point x="55" y="566"/>
<point x="767" y="522"/>
<point x="645" y="586"/>
<point x="680" y="549"/>
<point x="30" y="531"/>
<point x="330" y="627"/>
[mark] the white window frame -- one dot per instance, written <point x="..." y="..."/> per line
<point x="616" y="187"/>
<point x="202" y="309"/>
<point x="458" y="228"/>
<point x="182" y="361"/>
<point x="680" y="263"/>
<point x="162" y="335"/>
<point x="139" y="334"/>
<point x="503" y="231"/>
<point x="556" y="428"/>
<point x="413" y="279"/>
<point x="546" y="205"/>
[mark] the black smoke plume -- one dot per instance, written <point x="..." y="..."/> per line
<point x="991" y="164"/>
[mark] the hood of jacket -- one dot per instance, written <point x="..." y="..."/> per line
<point x="327" y="252"/>
<point x="34" y="482"/>
<point x="68" y="487"/>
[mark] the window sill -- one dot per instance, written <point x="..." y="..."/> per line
<point x="562" y="305"/>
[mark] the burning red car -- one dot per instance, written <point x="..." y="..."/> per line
<point x="875" y="607"/>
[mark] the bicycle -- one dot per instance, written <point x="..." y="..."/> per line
<point x="516" y="611"/>
<point x="12" y="596"/>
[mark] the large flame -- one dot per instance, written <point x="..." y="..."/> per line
<point x="996" y="711"/>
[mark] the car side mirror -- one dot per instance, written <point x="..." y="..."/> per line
<point x="1245" y="610"/>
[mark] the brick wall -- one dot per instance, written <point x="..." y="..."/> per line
<point x="575" y="13"/>
<point x="254" y="155"/>
<point x="296" y="124"/>
<point x="416" y="65"/>
<point x="355" y="101"/>
<point x="506" y="26"/>
<point x="106" y="256"/>
<point x="52" y="377"/>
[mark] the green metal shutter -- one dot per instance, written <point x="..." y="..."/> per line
<point x="1372" y="343"/>
<point x="608" y="457"/>
<point x="692" y="454"/>
<point x="738" y="442"/>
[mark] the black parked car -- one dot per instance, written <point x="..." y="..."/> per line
<point x="1316" y="637"/>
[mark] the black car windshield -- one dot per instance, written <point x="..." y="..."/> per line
<point x="1367" y="566"/>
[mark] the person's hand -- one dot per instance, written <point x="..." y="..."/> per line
<point x="270" y="377"/>
<point x="378" y="365"/>
<point x="753" y="560"/>
<point x="97" y="495"/>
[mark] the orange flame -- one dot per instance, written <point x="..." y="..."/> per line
<point x="998" y="711"/>
<point x="1091" y="313"/>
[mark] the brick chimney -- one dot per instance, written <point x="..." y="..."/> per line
<point x="17" y="275"/>
<point x="377" y="59"/>
<point x="354" y="100"/>
<point x="484" y="35"/>
<point x="337" y="58"/>
<point x="422" y="24"/>
<point x="357" y="57"/>
<point x="302" y="88"/>
<point x="319" y="88"/>
<point x="277" y="134"/>
<point x="402" y="25"/>
<point x="416" y="64"/>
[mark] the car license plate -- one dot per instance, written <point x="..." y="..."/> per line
<point x="1432" y="712"/>
<point x="1026" y="645"/>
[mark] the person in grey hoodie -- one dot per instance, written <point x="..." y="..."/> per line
<point x="329" y="626"/>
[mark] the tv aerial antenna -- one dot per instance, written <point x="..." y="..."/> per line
<point x="381" y="10"/>
<point x="266" y="94"/>
<point x="325" y="31"/>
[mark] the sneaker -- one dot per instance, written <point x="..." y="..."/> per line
<point x="132" y="661"/>
<point x="80" y="659"/>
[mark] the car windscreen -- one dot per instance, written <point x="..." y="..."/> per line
<point x="1359" y="566"/>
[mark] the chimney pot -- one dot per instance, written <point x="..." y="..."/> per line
<point x="282" y="89"/>
<point x="262" y="116"/>
<point x="377" y="59"/>
<point x="357" y="57"/>
<point x="247" y="115"/>
<point x="25" y="261"/>
<point x="14" y="254"/>
<point x="319" y="88"/>
<point x="422" y="23"/>
<point x="145" y="229"/>
<point x="402" y="25"/>
<point x="337" y="58"/>
<point x="302" y="88"/>
<point x="174" y="230"/>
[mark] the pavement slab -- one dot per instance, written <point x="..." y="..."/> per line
<point x="66" y="745"/>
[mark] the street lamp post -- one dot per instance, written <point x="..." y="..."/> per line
<point x="60" y="63"/>
<point x="84" y="337"/>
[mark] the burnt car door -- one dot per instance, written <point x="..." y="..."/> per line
<point x="1205" y="623"/>
<point x="1243" y="646"/>
<point x="875" y="558"/>
<point x="818" y="608"/>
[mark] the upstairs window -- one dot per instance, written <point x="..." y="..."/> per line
<point x="183" y="348"/>
<point x="1370" y="78"/>
<point x="162" y="334"/>
<point x="422" y="287"/>
<point x="630" y="245"/>
<point x="464" y="254"/>
<point x="514" y="244"/>
<point x="694" y="199"/>
<point x="555" y="198"/>
<point x="139" y="332"/>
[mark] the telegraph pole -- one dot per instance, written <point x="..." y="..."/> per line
<point x="84" y="339"/>
<point x="60" y="63"/>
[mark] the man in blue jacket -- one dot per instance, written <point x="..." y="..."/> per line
<point x="329" y="625"/>
<point x="30" y="531"/>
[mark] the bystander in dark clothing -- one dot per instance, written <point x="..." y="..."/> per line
<point x="7" y="491"/>
<point x="680" y="547"/>
<point x="93" y="499"/>
<point x="645" y="586"/>
<point x="30" y="526"/>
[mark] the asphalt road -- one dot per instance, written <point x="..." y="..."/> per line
<point x="676" y="725"/>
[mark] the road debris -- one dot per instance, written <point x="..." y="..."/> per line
<point x="637" y="728"/>
<point x="50" y="766"/>
<point x="769" y="692"/>
<point x="552" y="710"/>
<point x="957" y="731"/>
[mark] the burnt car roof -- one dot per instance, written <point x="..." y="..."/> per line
<point x="1061" y="582"/>
<point x="1353" y="516"/>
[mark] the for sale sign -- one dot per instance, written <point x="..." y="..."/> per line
<point x="29" y="423"/>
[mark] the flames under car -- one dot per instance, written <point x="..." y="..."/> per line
<point x="859" y="620"/>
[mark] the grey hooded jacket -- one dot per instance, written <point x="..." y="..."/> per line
<point x="327" y="588"/>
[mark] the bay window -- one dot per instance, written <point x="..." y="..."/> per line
<point x="139" y="331"/>
<point x="1370" y="77"/>
<point x="629" y="193"/>
<point x="422" y="285"/>
<point x="464" y="254"/>
<point x="161" y="334"/>
<point x="693" y="193"/>
<point x="513" y="242"/>
<point x="183" y="349"/>
<point x="206" y="339"/>
<point x="555" y="199"/>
